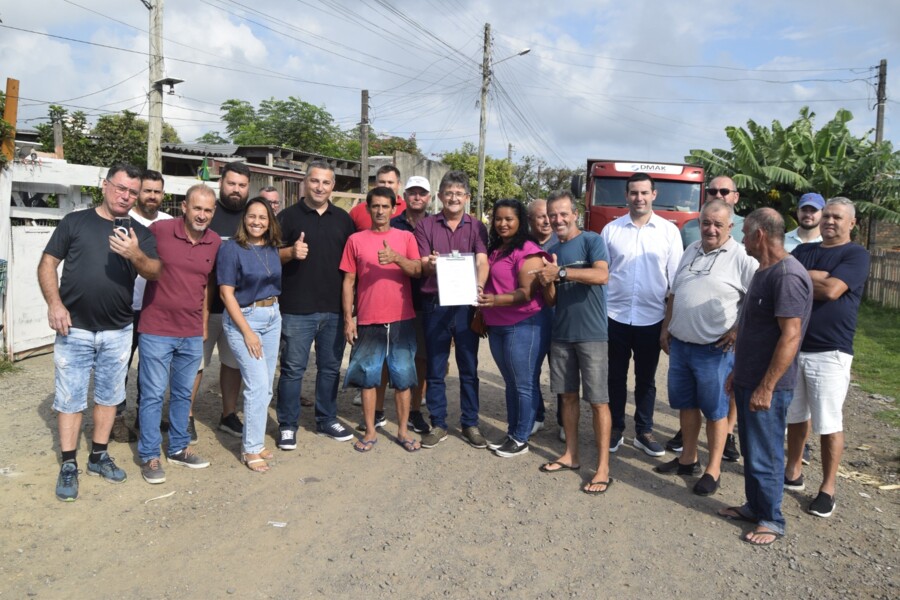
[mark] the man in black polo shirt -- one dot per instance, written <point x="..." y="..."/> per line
<point x="314" y="231"/>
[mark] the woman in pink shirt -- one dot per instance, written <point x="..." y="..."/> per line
<point x="511" y="304"/>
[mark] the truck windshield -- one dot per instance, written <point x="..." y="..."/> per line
<point x="680" y="196"/>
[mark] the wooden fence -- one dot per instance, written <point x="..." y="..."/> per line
<point x="883" y="285"/>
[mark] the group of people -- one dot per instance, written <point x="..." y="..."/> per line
<point x="747" y="327"/>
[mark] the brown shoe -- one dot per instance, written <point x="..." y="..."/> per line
<point x="121" y="432"/>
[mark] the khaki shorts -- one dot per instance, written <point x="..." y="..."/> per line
<point x="215" y="338"/>
<point x="822" y="382"/>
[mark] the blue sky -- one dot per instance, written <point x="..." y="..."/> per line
<point x="632" y="80"/>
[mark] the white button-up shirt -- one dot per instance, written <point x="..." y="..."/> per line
<point x="642" y="266"/>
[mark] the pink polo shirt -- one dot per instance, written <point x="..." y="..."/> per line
<point x="504" y="279"/>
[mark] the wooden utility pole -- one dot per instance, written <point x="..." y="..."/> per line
<point x="364" y="144"/>
<point x="482" y="129"/>
<point x="154" y="131"/>
<point x="58" y="143"/>
<point x="509" y="153"/>
<point x="879" y="135"/>
<point x="11" y="115"/>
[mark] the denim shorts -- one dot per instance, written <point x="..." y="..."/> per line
<point x="105" y="353"/>
<point x="697" y="374"/>
<point x="394" y="342"/>
<point x="585" y="365"/>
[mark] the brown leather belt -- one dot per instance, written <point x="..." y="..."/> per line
<point x="266" y="302"/>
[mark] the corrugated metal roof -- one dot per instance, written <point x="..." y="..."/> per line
<point x="220" y="150"/>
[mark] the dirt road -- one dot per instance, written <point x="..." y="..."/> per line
<point x="451" y="522"/>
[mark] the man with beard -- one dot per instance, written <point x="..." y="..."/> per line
<point x="234" y="189"/>
<point x="145" y="211"/>
<point x="89" y="308"/>
<point x="809" y="215"/>
<point x="171" y="331"/>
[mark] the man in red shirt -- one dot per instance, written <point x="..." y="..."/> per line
<point x="387" y="176"/>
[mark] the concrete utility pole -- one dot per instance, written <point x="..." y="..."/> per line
<point x="364" y="144"/>
<point x="879" y="135"/>
<point x="482" y="129"/>
<point x="58" y="147"/>
<point x="154" y="132"/>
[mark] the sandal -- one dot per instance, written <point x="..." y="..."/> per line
<point x="266" y="454"/>
<point x="775" y="537"/>
<point x="364" y="445"/>
<point x="409" y="445"/>
<point x="586" y="488"/>
<point x="735" y="513"/>
<point x="557" y="467"/>
<point x="257" y="465"/>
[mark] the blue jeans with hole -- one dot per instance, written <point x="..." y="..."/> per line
<point x="256" y="373"/>
<point x="77" y="355"/>
<point x="166" y="362"/>
<point x="517" y="351"/>
<point x="298" y="333"/>
<point x="762" y="444"/>
<point x="444" y="324"/>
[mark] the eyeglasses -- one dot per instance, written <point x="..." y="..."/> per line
<point x="121" y="189"/>
<point x="456" y="195"/>
<point x="714" y="191"/>
<point x="707" y="267"/>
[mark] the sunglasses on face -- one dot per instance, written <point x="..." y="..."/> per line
<point x="715" y="192"/>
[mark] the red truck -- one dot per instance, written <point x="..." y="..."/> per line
<point x="679" y="190"/>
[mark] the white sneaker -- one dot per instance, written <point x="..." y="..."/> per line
<point x="538" y="425"/>
<point x="357" y="399"/>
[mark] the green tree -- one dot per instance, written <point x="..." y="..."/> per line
<point x="292" y="123"/>
<point x="383" y="145"/>
<point x="498" y="174"/>
<point x="774" y="166"/>
<point x="211" y="137"/>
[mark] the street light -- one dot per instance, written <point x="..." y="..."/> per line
<point x="482" y="129"/>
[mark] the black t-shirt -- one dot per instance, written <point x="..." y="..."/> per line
<point x="97" y="284"/>
<point x="314" y="285"/>
<point x="225" y="222"/>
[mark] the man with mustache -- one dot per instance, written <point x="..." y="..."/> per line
<point x="171" y="330"/>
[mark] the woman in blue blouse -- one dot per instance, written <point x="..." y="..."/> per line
<point x="249" y="274"/>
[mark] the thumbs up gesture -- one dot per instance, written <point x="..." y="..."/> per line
<point x="300" y="249"/>
<point x="548" y="273"/>
<point x="387" y="255"/>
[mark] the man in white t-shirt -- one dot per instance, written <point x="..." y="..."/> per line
<point x="145" y="211"/>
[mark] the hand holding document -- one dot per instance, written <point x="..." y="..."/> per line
<point x="457" y="282"/>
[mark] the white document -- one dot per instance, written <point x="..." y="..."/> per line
<point x="456" y="279"/>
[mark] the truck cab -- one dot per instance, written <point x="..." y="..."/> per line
<point x="679" y="190"/>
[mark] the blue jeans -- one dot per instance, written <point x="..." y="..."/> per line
<point x="762" y="444"/>
<point x="517" y="351"/>
<point x="546" y="320"/>
<point x="82" y="351"/>
<point x="643" y="342"/>
<point x="697" y="374"/>
<point x="166" y="362"/>
<point x="257" y="373"/>
<point x="298" y="332"/>
<point x="443" y="324"/>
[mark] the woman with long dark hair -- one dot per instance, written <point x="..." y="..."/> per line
<point x="511" y="304"/>
<point x="249" y="273"/>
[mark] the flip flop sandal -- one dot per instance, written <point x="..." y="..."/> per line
<point x="545" y="468"/>
<point x="775" y="537"/>
<point x="409" y="445"/>
<point x="363" y="445"/>
<point x="736" y="515"/>
<point x="607" y="483"/>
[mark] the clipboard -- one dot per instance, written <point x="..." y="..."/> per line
<point x="457" y="280"/>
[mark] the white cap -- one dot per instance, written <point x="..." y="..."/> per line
<point x="418" y="181"/>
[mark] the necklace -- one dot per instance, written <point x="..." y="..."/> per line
<point x="265" y="261"/>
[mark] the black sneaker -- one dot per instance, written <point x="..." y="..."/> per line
<point x="796" y="485"/>
<point x="192" y="430"/>
<point x="807" y="455"/>
<point x="287" y="440"/>
<point x="511" y="448"/>
<point x="616" y="439"/>
<point x="231" y="424"/>
<point x="822" y="506"/>
<point x="497" y="444"/>
<point x="706" y="485"/>
<point x="674" y="466"/>
<point x="380" y="421"/>
<point x="417" y="422"/>
<point x="335" y="431"/>
<point x="675" y="444"/>
<point x="731" y="452"/>
<point x="67" y="482"/>
<point x="650" y="446"/>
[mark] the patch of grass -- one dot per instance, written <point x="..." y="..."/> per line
<point x="7" y="367"/>
<point x="876" y="361"/>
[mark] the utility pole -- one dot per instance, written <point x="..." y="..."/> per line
<point x="482" y="129"/>
<point x="364" y="144"/>
<point x="154" y="131"/>
<point x="58" y="148"/>
<point x="10" y="115"/>
<point x="879" y="135"/>
<point x="509" y="154"/>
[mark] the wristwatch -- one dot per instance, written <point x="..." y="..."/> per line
<point x="562" y="273"/>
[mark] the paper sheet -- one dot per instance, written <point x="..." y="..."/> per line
<point x="457" y="283"/>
